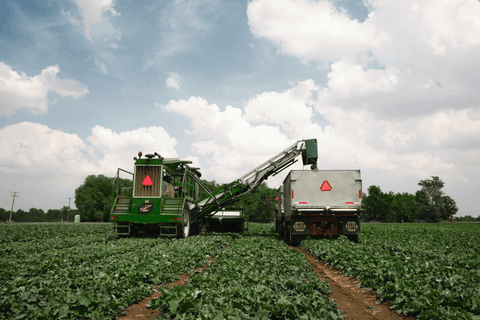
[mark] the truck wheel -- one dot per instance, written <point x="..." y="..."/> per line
<point x="292" y="240"/>
<point x="185" y="224"/>
<point x="353" y="237"/>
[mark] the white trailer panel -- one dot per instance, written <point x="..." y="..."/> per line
<point x="322" y="189"/>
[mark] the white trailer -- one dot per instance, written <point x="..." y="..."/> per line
<point x="231" y="218"/>
<point x="320" y="203"/>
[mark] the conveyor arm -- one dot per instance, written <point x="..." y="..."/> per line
<point x="232" y="192"/>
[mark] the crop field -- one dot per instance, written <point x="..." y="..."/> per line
<point x="66" y="271"/>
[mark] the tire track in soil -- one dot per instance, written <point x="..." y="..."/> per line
<point x="139" y="309"/>
<point x="355" y="302"/>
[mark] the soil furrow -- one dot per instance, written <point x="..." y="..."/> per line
<point x="355" y="302"/>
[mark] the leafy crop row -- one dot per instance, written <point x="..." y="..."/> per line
<point x="256" y="277"/>
<point x="89" y="274"/>
<point x="429" y="271"/>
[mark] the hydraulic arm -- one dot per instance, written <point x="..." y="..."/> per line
<point x="230" y="193"/>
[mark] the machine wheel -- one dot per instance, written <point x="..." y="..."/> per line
<point x="283" y="231"/>
<point x="292" y="240"/>
<point x="353" y="237"/>
<point x="185" y="224"/>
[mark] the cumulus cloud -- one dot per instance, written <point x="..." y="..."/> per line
<point x="312" y="29"/>
<point x="118" y="149"/>
<point x="174" y="81"/>
<point x="92" y="12"/>
<point x="291" y="109"/>
<point x="41" y="161"/>
<point x="406" y="59"/>
<point x="235" y="145"/>
<point x="233" y="141"/>
<point x="17" y="90"/>
<point x="452" y="127"/>
<point x="229" y="141"/>
<point x="33" y="153"/>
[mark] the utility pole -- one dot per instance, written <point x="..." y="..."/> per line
<point x="13" y="195"/>
<point x="69" y="208"/>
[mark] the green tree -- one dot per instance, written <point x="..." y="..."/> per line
<point x="378" y="205"/>
<point x="94" y="198"/>
<point x="434" y="193"/>
<point x="404" y="207"/>
<point x="370" y="203"/>
<point x="211" y="185"/>
<point x="54" y="215"/>
<point x="449" y="208"/>
<point x="466" y="218"/>
<point x="423" y="206"/>
<point x="20" y="216"/>
<point x="258" y="208"/>
<point x="3" y="214"/>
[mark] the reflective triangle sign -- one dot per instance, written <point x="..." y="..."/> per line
<point x="326" y="186"/>
<point x="147" y="182"/>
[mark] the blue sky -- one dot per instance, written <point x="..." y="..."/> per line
<point x="390" y="88"/>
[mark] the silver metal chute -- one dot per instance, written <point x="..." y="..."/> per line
<point x="228" y="194"/>
<point x="273" y="165"/>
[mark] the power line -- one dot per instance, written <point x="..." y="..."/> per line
<point x="13" y="195"/>
<point x="69" y="208"/>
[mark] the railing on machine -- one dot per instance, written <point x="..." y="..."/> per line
<point x="232" y="192"/>
<point x="122" y="189"/>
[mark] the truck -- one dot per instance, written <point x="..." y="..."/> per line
<point x="319" y="203"/>
<point x="166" y="195"/>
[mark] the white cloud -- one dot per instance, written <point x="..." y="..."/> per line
<point x="195" y="161"/>
<point x="17" y="90"/>
<point x="101" y="66"/>
<point x="291" y="109"/>
<point x="118" y="149"/>
<point x="231" y="142"/>
<point x="350" y="79"/>
<point x="35" y="155"/>
<point x="428" y="50"/>
<point x="42" y="162"/>
<point x="92" y="12"/>
<point x="452" y="127"/>
<point x="312" y="29"/>
<point x="395" y="135"/>
<point x="174" y="81"/>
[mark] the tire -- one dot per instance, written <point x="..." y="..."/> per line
<point x="292" y="239"/>
<point x="184" y="226"/>
<point x="284" y="232"/>
<point x="353" y="238"/>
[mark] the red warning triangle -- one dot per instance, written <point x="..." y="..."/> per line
<point x="326" y="186"/>
<point x="147" y="182"/>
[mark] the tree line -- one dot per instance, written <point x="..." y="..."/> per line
<point x="95" y="197"/>
<point x="38" y="215"/>
<point x="429" y="204"/>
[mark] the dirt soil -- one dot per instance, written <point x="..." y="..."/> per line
<point x="139" y="309"/>
<point x="356" y="303"/>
